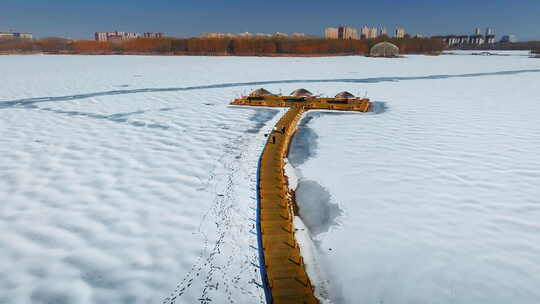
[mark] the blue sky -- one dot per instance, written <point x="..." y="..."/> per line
<point x="79" y="19"/>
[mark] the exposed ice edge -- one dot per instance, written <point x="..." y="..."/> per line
<point x="290" y="173"/>
<point x="308" y="249"/>
<point x="311" y="260"/>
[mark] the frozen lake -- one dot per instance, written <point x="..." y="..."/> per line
<point x="127" y="179"/>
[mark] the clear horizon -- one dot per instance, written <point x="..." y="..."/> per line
<point x="79" y="20"/>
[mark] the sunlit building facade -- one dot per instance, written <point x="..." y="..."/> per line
<point x="341" y="32"/>
<point x="400" y="32"/>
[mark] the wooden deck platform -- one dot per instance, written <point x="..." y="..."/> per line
<point x="286" y="276"/>
<point x="309" y="103"/>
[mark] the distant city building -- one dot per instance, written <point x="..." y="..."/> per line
<point x="217" y="35"/>
<point x="153" y="35"/>
<point x="365" y="32"/>
<point x="453" y="40"/>
<point x="476" y="39"/>
<point x="23" y="35"/>
<point x="7" y="35"/>
<point x="490" y="39"/>
<point x="347" y="33"/>
<point x="278" y="35"/>
<point x="373" y="33"/>
<point x="331" y="33"/>
<point x="119" y="35"/>
<point x="341" y="32"/>
<point x="298" y="35"/>
<point x="252" y="35"/>
<point x="509" y="39"/>
<point x="101" y="36"/>
<point x="245" y="35"/>
<point x="263" y="35"/>
<point x="400" y="32"/>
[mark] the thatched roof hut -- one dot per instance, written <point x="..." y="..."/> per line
<point x="260" y="92"/>
<point x="384" y="49"/>
<point x="301" y="93"/>
<point x="345" y="95"/>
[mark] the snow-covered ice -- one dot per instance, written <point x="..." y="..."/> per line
<point x="440" y="193"/>
<point x="128" y="179"/>
<point x="491" y="52"/>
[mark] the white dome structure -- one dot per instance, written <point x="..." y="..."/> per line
<point x="384" y="49"/>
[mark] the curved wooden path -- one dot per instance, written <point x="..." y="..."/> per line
<point x="286" y="274"/>
<point x="282" y="266"/>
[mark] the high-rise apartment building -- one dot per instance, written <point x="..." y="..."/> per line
<point x="400" y="32"/>
<point x="373" y="33"/>
<point x="153" y="35"/>
<point x="342" y="32"/>
<point x="8" y="35"/>
<point x="476" y="39"/>
<point x="347" y="33"/>
<point x="365" y="32"/>
<point x="331" y="33"/>
<point x="118" y="35"/>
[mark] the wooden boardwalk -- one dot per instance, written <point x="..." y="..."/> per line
<point x="308" y="103"/>
<point x="284" y="273"/>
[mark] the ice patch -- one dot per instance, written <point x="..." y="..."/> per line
<point x="316" y="208"/>
<point x="304" y="142"/>
<point x="313" y="265"/>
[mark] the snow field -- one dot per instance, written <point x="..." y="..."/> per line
<point x="128" y="179"/>
<point x="439" y="192"/>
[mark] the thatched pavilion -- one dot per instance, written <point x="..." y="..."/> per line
<point x="260" y="92"/>
<point x="344" y="95"/>
<point x="301" y="93"/>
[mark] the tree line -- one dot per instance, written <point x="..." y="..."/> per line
<point x="219" y="46"/>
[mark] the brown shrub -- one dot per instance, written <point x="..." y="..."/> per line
<point x="91" y="46"/>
